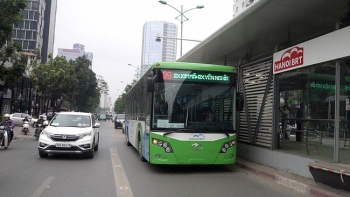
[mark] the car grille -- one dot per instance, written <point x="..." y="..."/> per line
<point x="72" y="148"/>
<point x="65" y="138"/>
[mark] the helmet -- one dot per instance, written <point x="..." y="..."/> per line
<point x="7" y="116"/>
<point x="41" y="117"/>
<point x="26" y="117"/>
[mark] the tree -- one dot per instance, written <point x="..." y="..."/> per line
<point x="53" y="80"/>
<point x="9" y="51"/>
<point x="90" y="87"/>
<point x="119" y="104"/>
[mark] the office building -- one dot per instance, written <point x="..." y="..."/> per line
<point x="38" y="27"/>
<point x="49" y="30"/>
<point x="163" y="51"/>
<point x="78" y="46"/>
<point x="77" y="51"/>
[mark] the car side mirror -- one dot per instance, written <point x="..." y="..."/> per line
<point x="97" y="125"/>
<point x="45" y="123"/>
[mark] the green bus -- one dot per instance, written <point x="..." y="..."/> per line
<point x="184" y="113"/>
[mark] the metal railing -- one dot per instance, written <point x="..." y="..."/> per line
<point x="315" y="130"/>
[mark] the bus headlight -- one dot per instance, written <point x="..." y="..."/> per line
<point x="164" y="144"/>
<point x="225" y="146"/>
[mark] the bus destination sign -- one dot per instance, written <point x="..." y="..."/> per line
<point x="193" y="76"/>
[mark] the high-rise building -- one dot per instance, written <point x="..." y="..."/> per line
<point x="49" y="29"/>
<point x="163" y="51"/>
<point x="78" y="51"/>
<point x="240" y="5"/>
<point x="38" y="27"/>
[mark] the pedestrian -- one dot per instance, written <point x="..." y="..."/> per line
<point x="299" y="115"/>
<point x="285" y="115"/>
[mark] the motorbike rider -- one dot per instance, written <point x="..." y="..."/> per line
<point x="7" y="122"/>
<point x="25" y="119"/>
<point x="40" y="121"/>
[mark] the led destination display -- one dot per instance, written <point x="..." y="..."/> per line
<point x="174" y="75"/>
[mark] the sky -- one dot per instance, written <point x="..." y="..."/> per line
<point x="112" y="30"/>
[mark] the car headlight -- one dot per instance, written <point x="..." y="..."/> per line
<point x="48" y="134"/>
<point x="82" y="135"/>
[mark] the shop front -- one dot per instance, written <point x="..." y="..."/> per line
<point x="312" y="81"/>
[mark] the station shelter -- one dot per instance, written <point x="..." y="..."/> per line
<point x="292" y="53"/>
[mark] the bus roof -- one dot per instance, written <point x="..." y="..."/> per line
<point x="194" y="66"/>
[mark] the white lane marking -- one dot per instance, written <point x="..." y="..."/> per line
<point x="121" y="181"/>
<point x="42" y="187"/>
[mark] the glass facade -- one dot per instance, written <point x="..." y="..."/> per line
<point x="49" y="29"/>
<point x="307" y="127"/>
<point x="153" y="51"/>
<point x="38" y="27"/>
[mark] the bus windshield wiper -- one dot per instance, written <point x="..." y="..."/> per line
<point x="173" y="131"/>
<point x="223" y="130"/>
<point x="167" y="133"/>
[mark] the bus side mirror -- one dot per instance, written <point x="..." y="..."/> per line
<point x="239" y="101"/>
<point x="150" y="83"/>
<point x="233" y="80"/>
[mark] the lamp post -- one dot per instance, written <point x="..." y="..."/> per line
<point x="182" y="17"/>
<point x="137" y="71"/>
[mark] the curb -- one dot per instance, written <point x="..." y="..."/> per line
<point x="293" y="184"/>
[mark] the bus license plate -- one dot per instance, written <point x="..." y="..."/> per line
<point x="63" y="145"/>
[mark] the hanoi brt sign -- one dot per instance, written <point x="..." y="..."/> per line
<point x="325" y="48"/>
<point x="291" y="58"/>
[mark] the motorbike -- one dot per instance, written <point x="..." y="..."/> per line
<point x="4" y="140"/>
<point x="25" y="129"/>
<point x="40" y="128"/>
<point x="38" y="131"/>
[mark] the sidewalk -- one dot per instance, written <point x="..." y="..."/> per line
<point x="295" y="182"/>
<point x="19" y="136"/>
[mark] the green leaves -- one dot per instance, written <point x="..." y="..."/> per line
<point x="10" y="14"/>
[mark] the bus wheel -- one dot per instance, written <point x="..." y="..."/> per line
<point x="140" y="151"/>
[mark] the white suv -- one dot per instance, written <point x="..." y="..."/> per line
<point x="70" y="133"/>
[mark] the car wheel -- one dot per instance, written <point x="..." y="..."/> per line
<point x="140" y="151"/>
<point x="92" y="153"/>
<point x="43" y="155"/>
<point x="34" y="124"/>
<point x="96" y="147"/>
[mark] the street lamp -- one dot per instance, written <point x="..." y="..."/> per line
<point x="182" y="17"/>
<point x="158" y="39"/>
<point x="137" y="71"/>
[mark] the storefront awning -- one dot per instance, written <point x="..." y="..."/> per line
<point x="265" y="24"/>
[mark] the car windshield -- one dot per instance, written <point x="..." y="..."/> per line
<point x="194" y="106"/>
<point x="121" y="116"/>
<point x="70" y="120"/>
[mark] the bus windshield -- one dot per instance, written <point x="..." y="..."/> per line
<point x="194" y="106"/>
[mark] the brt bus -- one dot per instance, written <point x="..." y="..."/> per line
<point x="184" y="113"/>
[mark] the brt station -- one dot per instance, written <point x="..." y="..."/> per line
<point x="291" y="53"/>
